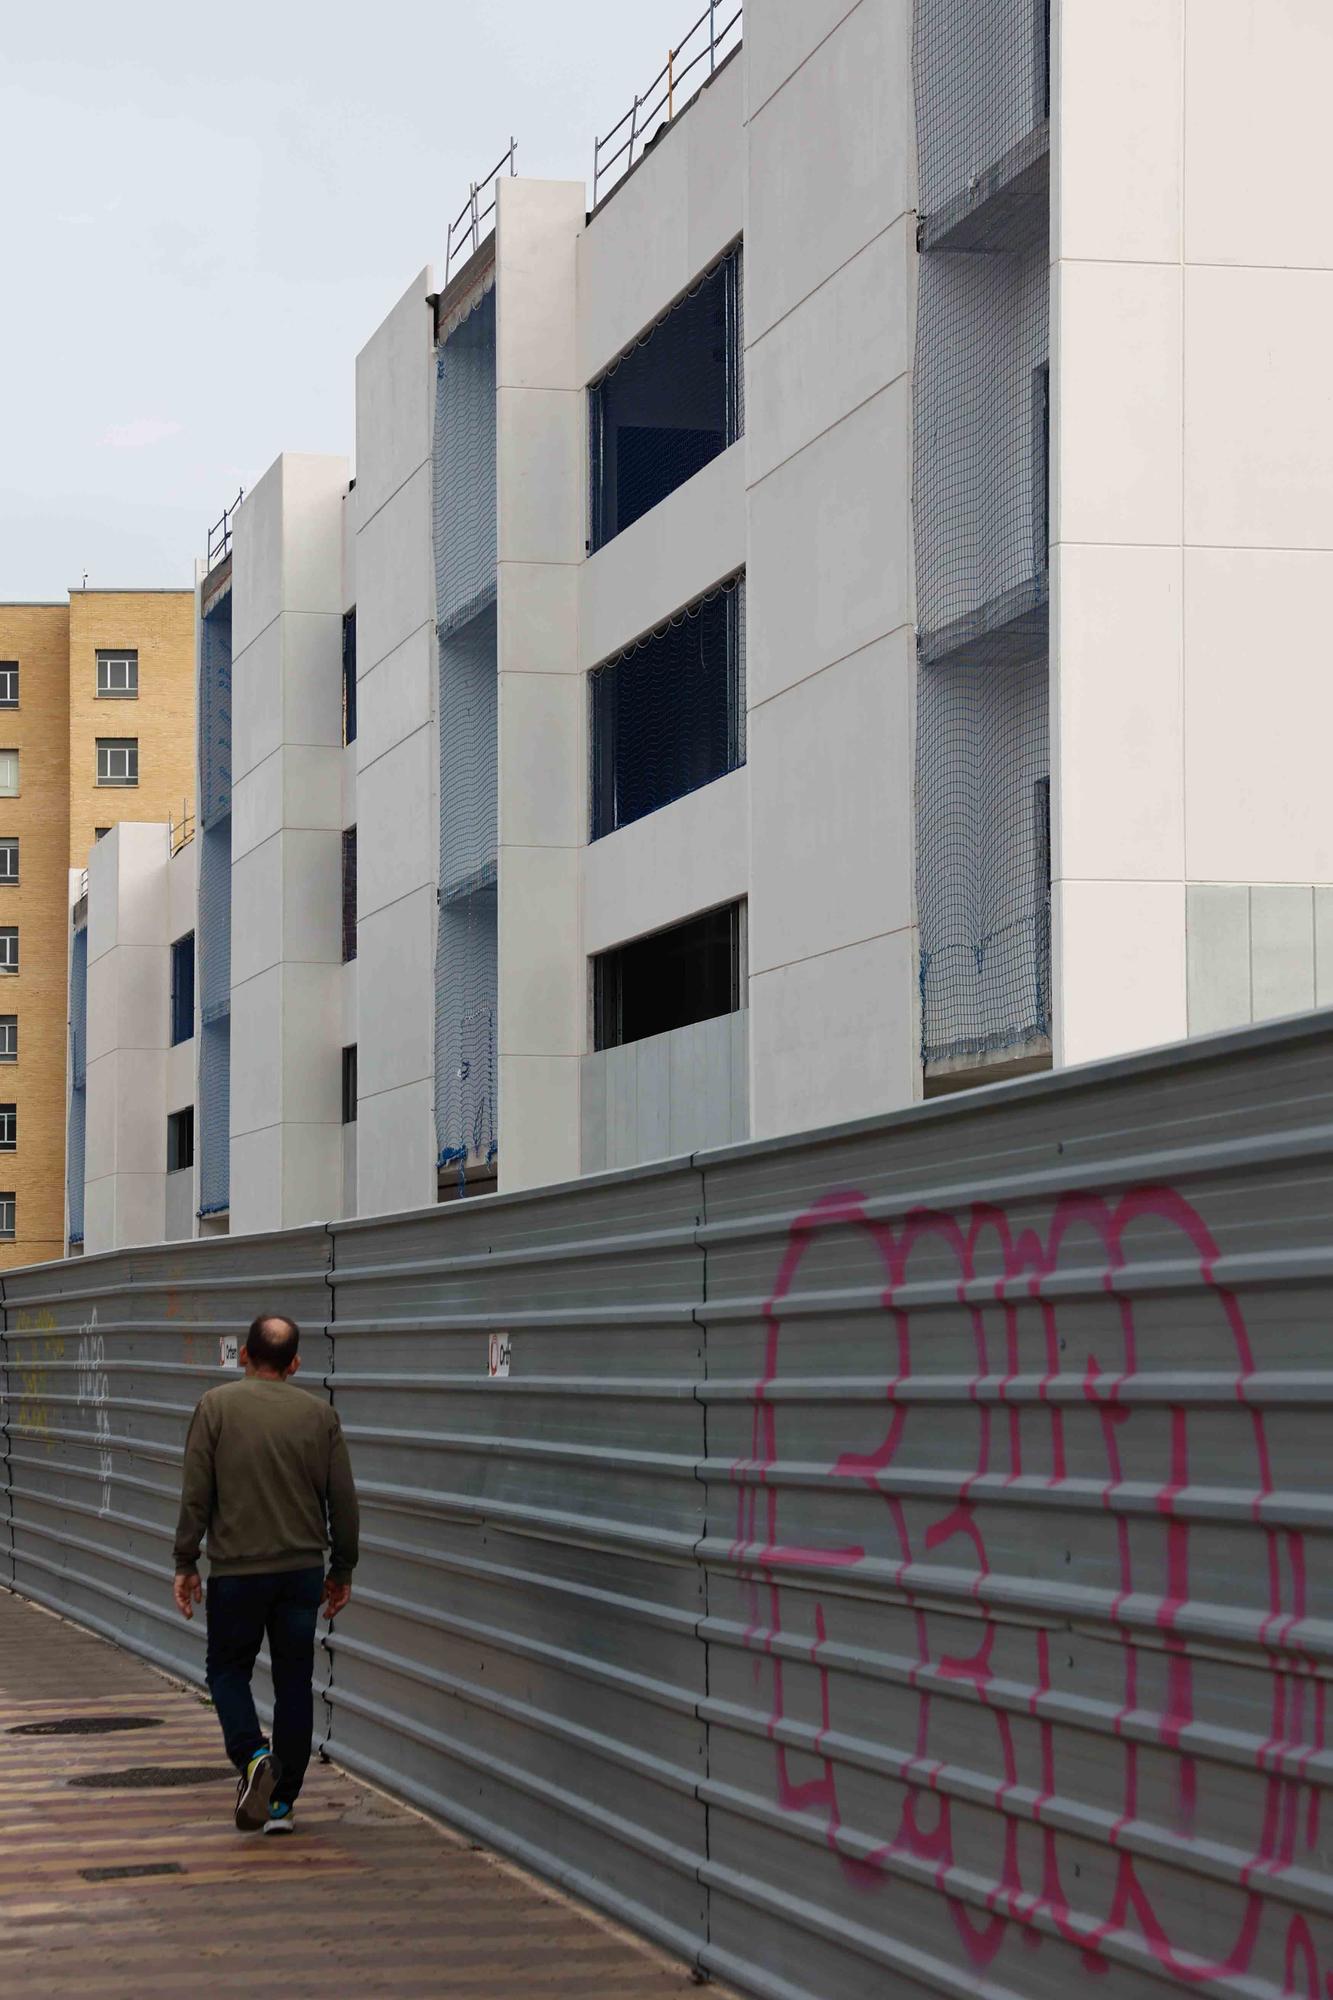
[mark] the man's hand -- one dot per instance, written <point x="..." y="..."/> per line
<point x="187" y="1591"/>
<point x="335" y="1597"/>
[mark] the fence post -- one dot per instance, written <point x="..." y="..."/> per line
<point x="712" y="36"/>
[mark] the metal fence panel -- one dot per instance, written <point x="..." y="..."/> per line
<point x="893" y="1559"/>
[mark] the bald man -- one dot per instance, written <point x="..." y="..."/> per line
<point x="268" y="1481"/>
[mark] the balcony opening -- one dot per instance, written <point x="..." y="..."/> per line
<point x="180" y="1140"/>
<point x="349" y="1084"/>
<point x="349" y="894"/>
<point x="182" y="989"/>
<point x="670" y="404"/>
<point x="349" y="676"/>
<point x="689" y="972"/>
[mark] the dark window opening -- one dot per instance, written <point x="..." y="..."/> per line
<point x="9" y="1037"/>
<point x="1041" y="839"/>
<point x="349" y="1084"/>
<point x="8" y="1217"/>
<point x="101" y="832"/>
<point x="9" y="860"/>
<point x="669" y="715"/>
<point x="670" y="405"/>
<point x="180" y="1140"/>
<point x="691" y="972"/>
<point x="9" y="1127"/>
<point x="1041" y="466"/>
<point x="9" y="683"/>
<point x="182" y="989"/>
<point x="349" y="676"/>
<point x="349" y="894"/>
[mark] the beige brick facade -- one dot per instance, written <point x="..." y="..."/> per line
<point x="55" y="728"/>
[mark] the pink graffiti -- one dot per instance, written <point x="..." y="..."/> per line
<point x="1028" y="1262"/>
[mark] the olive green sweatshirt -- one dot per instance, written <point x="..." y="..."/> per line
<point x="268" y="1480"/>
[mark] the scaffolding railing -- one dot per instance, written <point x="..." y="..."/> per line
<point x="473" y="222"/>
<point x="219" y="535"/>
<point x="181" y="830"/>
<point x="709" y="41"/>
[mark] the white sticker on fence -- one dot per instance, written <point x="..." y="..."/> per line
<point x="497" y="1354"/>
<point x="229" y="1351"/>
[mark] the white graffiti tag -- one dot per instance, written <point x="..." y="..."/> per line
<point x="94" y="1394"/>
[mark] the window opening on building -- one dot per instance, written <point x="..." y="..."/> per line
<point x="9" y="1127"/>
<point x="670" y="404"/>
<point x="8" y="1217"/>
<point x="117" y="760"/>
<point x="9" y="683"/>
<point x="9" y="860"/>
<point x="9" y="774"/>
<point x="182" y="989"/>
<point x="101" y="832"/>
<point x="349" y="894"/>
<point x="117" y="676"/>
<point x="349" y="676"/>
<point x="668" y="715"/>
<point x="689" y="972"/>
<point x="9" y="948"/>
<point x="349" y="1084"/>
<point x="9" y="1037"/>
<point x="180" y="1140"/>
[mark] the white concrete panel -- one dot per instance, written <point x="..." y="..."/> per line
<point x="178" y="1211"/>
<point x="1259" y="716"/>
<point x="256" y="701"/>
<point x="633" y="257"/>
<point x="396" y="569"/>
<point x="182" y="890"/>
<point x="1119" y="73"/>
<point x="835" y="1037"/>
<point x="312" y="1173"/>
<point x="256" y="1180"/>
<point x="312" y="787"/>
<point x="1116" y="400"/>
<point x="828" y="568"/>
<point x="682" y="547"/>
<point x="850" y="339"/>
<point x="1119" y="957"/>
<point x="350" y="519"/>
<point x="713" y="128"/>
<point x="1256" y="107"/>
<point x="539" y="1130"/>
<point x="312" y="898"/>
<point x="1259" y="408"/>
<point x="537" y="227"/>
<point x="99" y="1216"/>
<point x="396" y="988"/>
<point x="312" y="1044"/>
<point x="1218" y="956"/>
<point x="393" y="402"/>
<point x="1119" y="751"/>
<point x="395" y="1150"/>
<point x="778" y="39"/>
<point x="313" y="488"/>
<point x="543" y="997"/>
<point x="142" y="851"/>
<point x="397" y="837"/>
<point x="543" y="757"/>
<point x="256" y="911"/>
<point x="256" y="560"/>
<point x="104" y="1005"/>
<point x="312" y="687"/>
<point x="539" y="617"/>
<point x="256" y="806"/>
<point x="348" y="1198"/>
<point x="690" y="856"/>
<point x="541" y="454"/>
<point x="141" y="1111"/>
<point x="99" y="1143"/>
<point x="1323" y="947"/>
<point x="143" y="992"/>
<point x="140" y="1209"/>
<point x="1282" y="944"/>
<point x="395" y="698"/>
<point x="832" y="822"/>
<point x="256" y="1057"/>
<point x="831" y="160"/>
<point x="103" y="896"/>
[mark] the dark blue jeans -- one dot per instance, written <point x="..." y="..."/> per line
<point x="241" y="1610"/>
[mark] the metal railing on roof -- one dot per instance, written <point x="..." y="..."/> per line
<point x="470" y="224"/>
<point x="181" y="830"/>
<point x="709" y="41"/>
<point x="219" y="535"/>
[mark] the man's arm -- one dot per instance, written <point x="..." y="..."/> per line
<point x="344" y="1520"/>
<point x="197" y="1486"/>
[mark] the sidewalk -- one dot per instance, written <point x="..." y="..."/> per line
<point x="368" y="1898"/>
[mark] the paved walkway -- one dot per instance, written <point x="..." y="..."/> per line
<point x="114" y="1894"/>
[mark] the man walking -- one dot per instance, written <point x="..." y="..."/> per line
<point x="268" y="1480"/>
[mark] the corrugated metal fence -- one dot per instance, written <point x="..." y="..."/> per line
<point x="894" y="1561"/>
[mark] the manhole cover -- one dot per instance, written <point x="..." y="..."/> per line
<point x="126" y="1874"/>
<point x="152" y="1777"/>
<point x="85" y="1725"/>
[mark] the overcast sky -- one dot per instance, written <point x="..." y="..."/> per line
<point x="207" y="210"/>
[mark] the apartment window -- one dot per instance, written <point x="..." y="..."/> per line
<point x="349" y="676"/>
<point x="9" y="774"/>
<point x="669" y="715"/>
<point x="117" y="760"/>
<point x="8" y="1217"/>
<point x="182" y="989"/>
<point x="349" y="1085"/>
<point x="9" y="683"/>
<point x="117" y="676"/>
<point x="9" y="1037"/>
<point x="101" y="832"/>
<point x="349" y="894"/>
<point x="670" y="404"/>
<point x="9" y="861"/>
<point x="180" y="1140"/>
<point x="9" y="1127"/>
<point x="9" y="948"/>
<point x="691" y="972"/>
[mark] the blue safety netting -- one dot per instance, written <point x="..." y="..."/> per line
<point x="76" y="1144"/>
<point x="466" y="977"/>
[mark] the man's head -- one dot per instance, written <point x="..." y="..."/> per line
<point x="270" y="1346"/>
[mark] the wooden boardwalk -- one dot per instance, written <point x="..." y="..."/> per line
<point x="366" y="1898"/>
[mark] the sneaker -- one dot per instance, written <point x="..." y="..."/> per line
<point x="254" y="1791"/>
<point x="281" y="1818"/>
